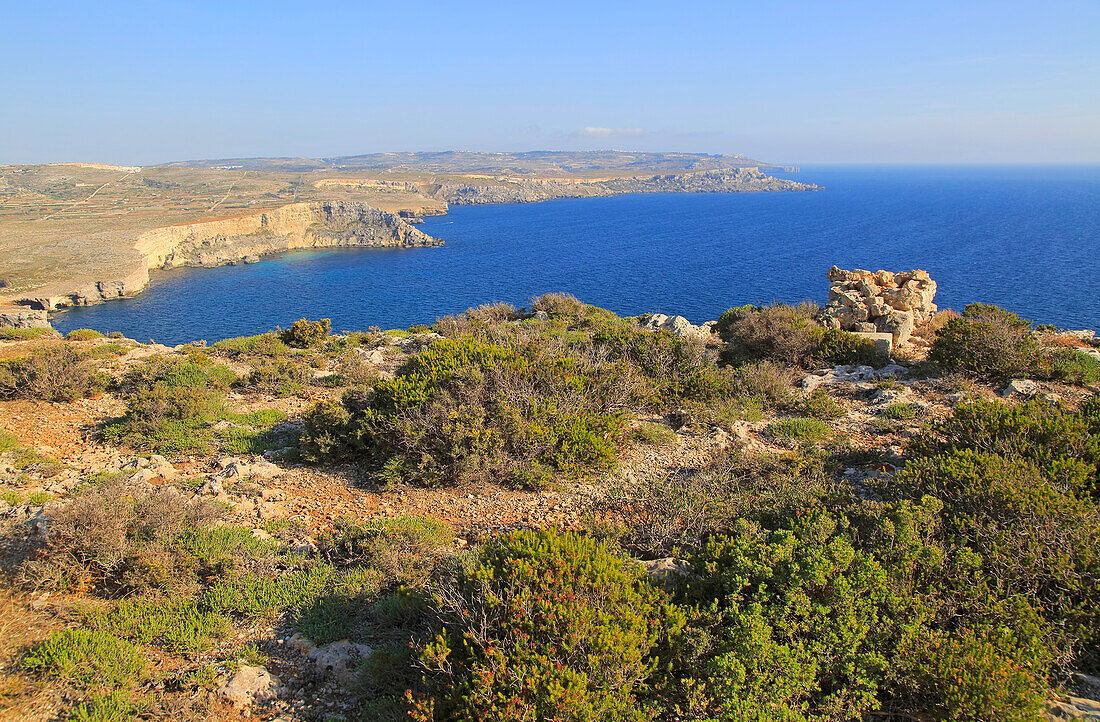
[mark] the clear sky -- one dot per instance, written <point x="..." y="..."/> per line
<point x="998" y="81"/>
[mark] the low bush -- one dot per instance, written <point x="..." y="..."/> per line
<point x="990" y="342"/>
<point x="770" y="601"/>
<point x="765" y="381"/>
<point x="1025" y="537"/>
<point x="899" y="411"/>
<point x="1064" y="444"/>
<point x="89" y="660"/>
<point x="820" y="405"/>
<point x="545" y="626"/>
<point x="466" y="410"/>
<point x="58" y="373"/>
<point x="559" y="305"/>
<point x="265" y="344"/>
<point x="281" y="377"/>
<point x="1070" y="366"/>
<point x="173" y="405"/>
<point x="24" y="334"/>
<point x="799" y="427"/>
<point x="304" y="334"/>
<point x="123" y="535"/>
<point x="405" y="549"/>
<point x="791" y="336"/>
<point x="83" y="334"/>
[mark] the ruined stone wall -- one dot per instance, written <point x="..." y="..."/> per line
<point x="882" y="301"/>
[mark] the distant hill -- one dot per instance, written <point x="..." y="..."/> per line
<point x="538" y="162"/>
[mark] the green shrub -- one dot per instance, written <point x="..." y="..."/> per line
<point x="820" y="405"/>
<point x="791" y="336"/>
<point x="558" y="305"/>
<point x="303" y="333"/>
<point x="59" y="373"/>
<point x="724" y="326"/>
<point x="177" y="625"/>
<point x="899" y="411"/>
<point x="799" y="427"/>
<point x="798" y="625"/>
<point x="83" y="334"/>
<point x="1025" y="535"/>
<point x="988" y="341"/>
<point x="88" y="659"/>
<point x="265" y="344"/>
<point x="281" y="377"/>
<point x="468" y="410"/>
<point x="1065" y="445"/>
<point x="24" y="334"/>
<point x="172" y="405"/>
<point x="546" y="626"/>
<point x="1070" y="366"/>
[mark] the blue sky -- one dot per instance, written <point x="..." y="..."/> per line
<point x="795" y="82"/>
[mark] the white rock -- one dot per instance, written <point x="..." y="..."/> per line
<point x="340" y="659"/>
<point x="249" y="686"/>
<point x="1020" y="387"/>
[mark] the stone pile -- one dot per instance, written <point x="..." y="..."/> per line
<point x="879" y="302"/>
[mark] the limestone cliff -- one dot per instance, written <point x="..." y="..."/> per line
<point x="224" y="241"/>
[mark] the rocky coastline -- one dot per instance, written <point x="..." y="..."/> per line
<point x="331" y="223"/>
<point x="228" y="241"/>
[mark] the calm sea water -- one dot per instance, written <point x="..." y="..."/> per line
<point x="1027" y="239"/>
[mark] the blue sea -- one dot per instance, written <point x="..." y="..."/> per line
<point x="1025" y="238"/>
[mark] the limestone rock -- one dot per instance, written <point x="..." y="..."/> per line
<point x="340" y="658"/>
<point x="660" y="569"/>
<point x="1020" y="387"/>
<point x="256" y="468"/>
<point x="679" y="326"/>
<point x="249" y="686"/>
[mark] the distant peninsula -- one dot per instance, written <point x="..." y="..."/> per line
<point x="82" y="233"/>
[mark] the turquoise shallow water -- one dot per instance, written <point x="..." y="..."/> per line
<point x="1024" y="238"/>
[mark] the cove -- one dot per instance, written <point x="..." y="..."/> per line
<point x="1026" y="238"/>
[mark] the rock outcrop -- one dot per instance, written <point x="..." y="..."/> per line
<point x="879" y="302"/>
<point x="681" y="327"/>
<point x="23" y="317"/>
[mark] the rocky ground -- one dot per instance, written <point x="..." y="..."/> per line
<point x="302" y="681"/>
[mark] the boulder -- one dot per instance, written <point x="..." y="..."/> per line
<point x="1025" y="388"/>
<point x="883" y="342"/>
<point x="899" y="324"/>
<point x="340" y="659"/>
<point x="249" y="686"/>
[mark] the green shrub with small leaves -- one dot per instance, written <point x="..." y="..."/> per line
<point x="304" y="333"/>
<point x="57" y="373"/>
<point x="791" y="336"/>
<point x="987" y="341"/>
<point x="24" y="334"/>
<point x="265" y="344"/>
<point x="546" y="626"/>
<point x="83" y="334"/>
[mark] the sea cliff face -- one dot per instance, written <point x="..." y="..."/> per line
<point x="246" y="238"/>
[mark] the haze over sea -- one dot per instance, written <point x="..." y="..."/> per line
<point x="1025" y="238"/>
